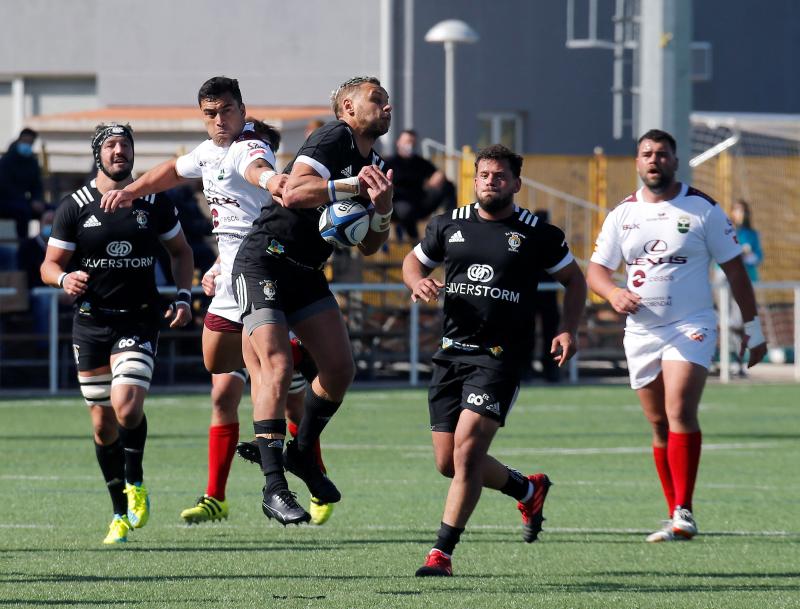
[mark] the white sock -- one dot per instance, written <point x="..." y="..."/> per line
<point x="530" y="492"/>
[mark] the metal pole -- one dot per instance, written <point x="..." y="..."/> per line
<point x="724" y="333"/>
<point x="53" y="350"/>
<point x="450" y="107"/>
<point x="408" y="64"/>
<point x="387" y="62"/>
<point x="413" y="338"/>
<point x="797" y="333"/>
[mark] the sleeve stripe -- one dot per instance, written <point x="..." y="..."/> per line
<point x="77" y="199"/>
<point x="171" y="232"/>
<point x="564" y="262"/>
<point x="64" y="245"/>
<point x="431" y="264"/>
<point x="87" y="193"/>
<point x="315" y="165"/>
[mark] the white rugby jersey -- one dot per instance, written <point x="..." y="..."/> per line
<point x="235" y="203"/>
<point x="668" y="248"/>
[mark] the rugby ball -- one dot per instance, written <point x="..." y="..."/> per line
<point x="344" y="223"/>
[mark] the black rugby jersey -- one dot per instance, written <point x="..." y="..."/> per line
<point x="294" y="233"/>
<point x="491" y="280"/>
<point x="117" y="250"/>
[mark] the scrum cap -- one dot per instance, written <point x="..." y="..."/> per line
<point x="105" y="131"/>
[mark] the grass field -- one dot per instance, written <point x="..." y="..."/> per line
<point x="592" y="441"/>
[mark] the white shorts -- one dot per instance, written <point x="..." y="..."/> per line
<point x="692" y="340"/>
<point x="224" y="303"/>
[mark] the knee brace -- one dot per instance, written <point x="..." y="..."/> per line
<point x="96" y="389"/>
<point x="132" y="368"/>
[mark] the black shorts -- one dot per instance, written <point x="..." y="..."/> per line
<point x="456" y="386"/>
<point x="96" y="338"/>
<point x="270" y="290"/>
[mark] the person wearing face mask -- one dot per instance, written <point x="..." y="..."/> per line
<point x="420" y="188"/>
<point x="21" y="183"/>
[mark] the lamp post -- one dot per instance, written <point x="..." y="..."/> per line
<point x="450" y="32"/>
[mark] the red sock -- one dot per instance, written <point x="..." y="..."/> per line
<point x="292" y="428"/>
<point x="222" y="441"/>
<point x="662" y="467"/>
<point x="683" y="453"/>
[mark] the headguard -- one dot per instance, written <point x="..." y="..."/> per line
<point x="102" y="133"/>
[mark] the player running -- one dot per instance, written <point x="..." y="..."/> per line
<point x="118" y="312"/>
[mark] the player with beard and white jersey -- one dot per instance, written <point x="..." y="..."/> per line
<point x="118" y="312"/>
<point x="237" y="166"/>
<point x="668" y="234"/>
<point x="492" y="253"/>
<point x="280" y="285"/>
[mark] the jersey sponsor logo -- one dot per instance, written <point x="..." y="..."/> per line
<point x="456" y="237"/>
<point x="144" y="262"/>
<point x="632" y="226"/>
<point x="656" y="301"/>
<point x="470" y="289"/>
<point x="656" y="246"/>
<point x="514" y="241"/>
<point x="257" y="152"/>
<point x="223" y="201"/>
<point x="653" y="261"/>
<point x="638" y="278"/>
<point x="125" y="343"/>
<point x="119" y="248"/>
<point x="347" y="171"/>
<point x="92" y="222"/>
<point x="684" y="224"/>
<point x="480" y="272"/>
<point x="269" y="288"/>
<point x="662" y="215"/>
<point x="276" y="247"/>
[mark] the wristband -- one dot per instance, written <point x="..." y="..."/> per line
<point x="345" y="188"/>
<point x="380" y="222"/>
<point x="61" y="279"/>
<point x="215" y="269"/>
<point x="754" y="335"/>
<point x="184" y="298"/>
<point x="265" y="177"/>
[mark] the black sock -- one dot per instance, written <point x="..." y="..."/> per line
<point x="516" y="486"/>
<point x="133" y="442"/>
<point x="112" y="463"/>
<point x="317" y="412"/>
<point x="271" y="450"/>
<point x="447" y="538"/>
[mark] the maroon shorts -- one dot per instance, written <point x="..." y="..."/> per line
<point x="220" y="324"/>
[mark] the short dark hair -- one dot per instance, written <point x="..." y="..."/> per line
<point x="657" y="135"/>
<point x="216" y="87"/>
<point x="27" y="131"/>
<point x="347" y="87"/>
<point x="498" y="152"/>
<point x="410" y="132"/>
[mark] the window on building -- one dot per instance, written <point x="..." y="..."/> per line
<point x="500" y="128"/>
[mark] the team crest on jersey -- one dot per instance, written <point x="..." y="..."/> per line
<point x="276" y="247"/>
<point x="269" y="289"/>
<point x="684" y="224"/>
<point x="514" y="241"/>
<point x="141" y="218"/>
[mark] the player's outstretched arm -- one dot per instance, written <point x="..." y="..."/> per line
<point x="160" y="178"/>
<point x="600" y="281"/>
<point x="565" y="343"/>
<point x="743" y="294"/>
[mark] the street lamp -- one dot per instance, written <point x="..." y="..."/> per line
<point x="450" y="32"/>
